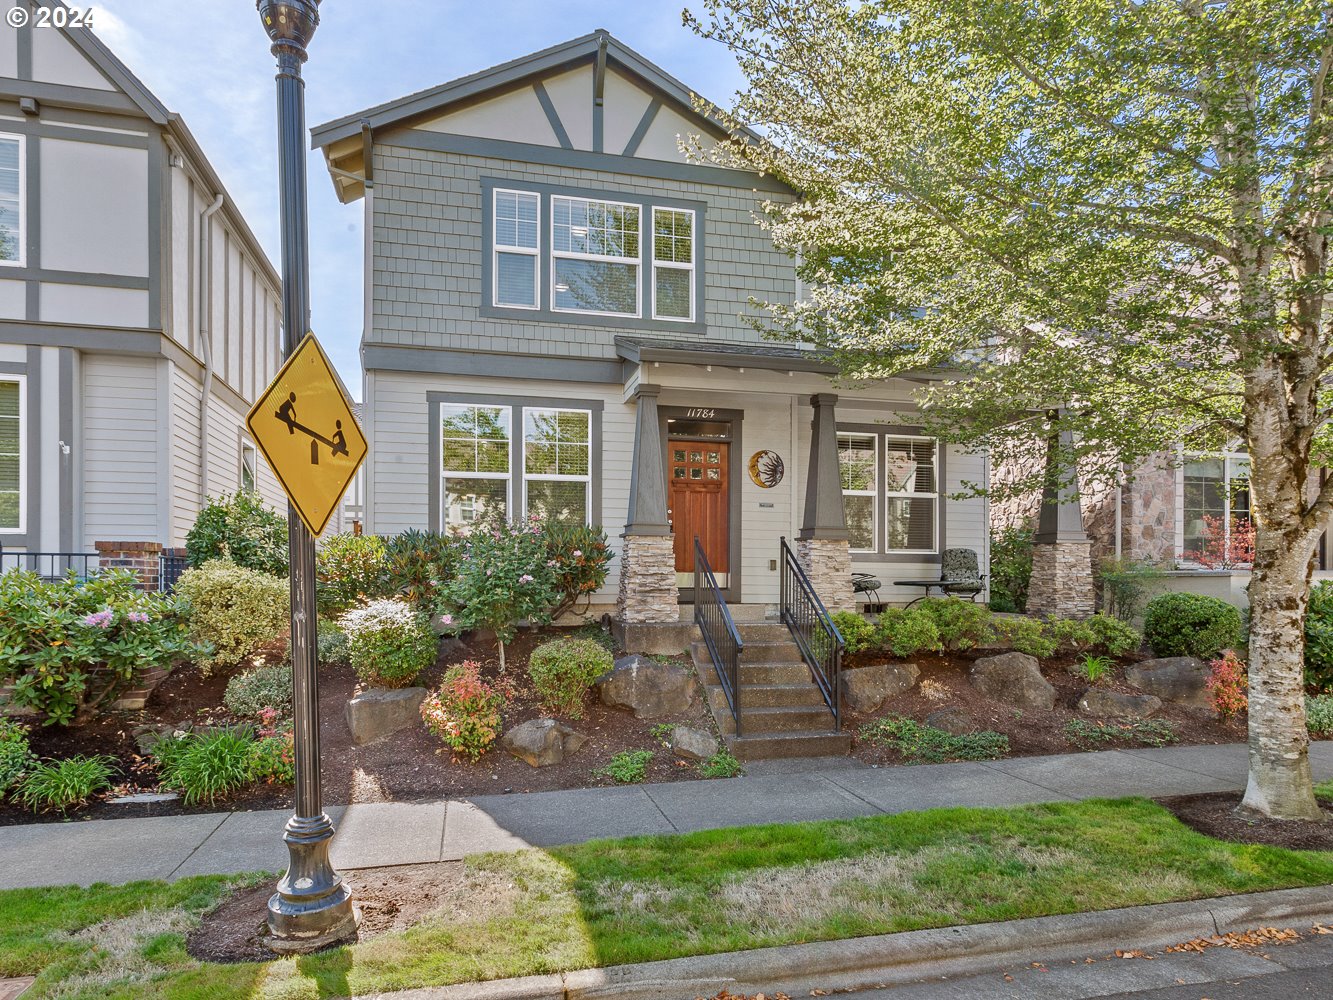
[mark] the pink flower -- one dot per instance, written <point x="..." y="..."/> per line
<point x="446" y="619"/>
<point x="99" y="619"/>
<point x="139" y="617"/>
<point x="525" y="578"/>
<point x="578" y="553"/>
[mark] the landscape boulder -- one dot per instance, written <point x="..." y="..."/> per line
<point x="1179" y="679"/>
<point x="952" y="720"/>
<point x="865" y="689"/>
<point x="542" y="742"/>
<point x="375" y="713"/>
<point x="695" y="744"/>
<point x="1013" y="678"/>
<point x="1100" y="702"/>
<point x="649" y="688"/>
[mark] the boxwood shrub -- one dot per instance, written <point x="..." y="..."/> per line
<point x="562" y="672"/>
<point x="1179" y="624"/>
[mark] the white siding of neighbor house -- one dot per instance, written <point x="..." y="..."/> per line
<point x="121" y="449"/>
<point x="185" y="394"/>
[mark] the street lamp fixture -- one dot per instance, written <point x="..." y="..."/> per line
<point x="312" y="907"/>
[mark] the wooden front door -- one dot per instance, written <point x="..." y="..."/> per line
<point x="699" y="504"/>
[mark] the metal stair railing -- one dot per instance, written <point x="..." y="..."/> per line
<point x="816" y="636"/>
<point x="719" y="631"/>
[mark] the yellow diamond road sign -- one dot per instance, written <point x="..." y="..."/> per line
<point x="303" y="424"/>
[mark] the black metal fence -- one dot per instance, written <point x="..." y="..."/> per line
<point x="719" y="631"/>
<point x="50" y="565"/>
<point x="817" y="637"/>
<point x="172" y="566"/>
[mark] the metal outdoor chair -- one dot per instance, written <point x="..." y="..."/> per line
<point x="868" y="584"/>
<point x="963" y="571"/>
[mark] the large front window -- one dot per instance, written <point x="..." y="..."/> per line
<point x="557" y="464"/>
<point x="858" y="467"/>
<point x="11" y="454"/>
<point x="911" y="494"/>
<point x="595" y="256"/>
<point x="474" y="462"/>
<point x="1215" y="498"/>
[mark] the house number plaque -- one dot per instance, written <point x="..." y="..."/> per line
<point x="700" y="413"/>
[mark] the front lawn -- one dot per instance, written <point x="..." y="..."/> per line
<point x="646" y="898"/>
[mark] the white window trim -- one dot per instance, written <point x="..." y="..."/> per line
<point x="247" y="447"/>
<point x="904" y="494"/>
<point x="22" y="259"/>
<point x="600" y="258"/>
<point x="507" y="475"/>
<point x="553" y="477"/>
<point x="23" y="456"/>
<point x="497" y="248"/>
<point x="873" y="492"/>
<point x="1227" y="456"/>
<point x="674" y="265"/>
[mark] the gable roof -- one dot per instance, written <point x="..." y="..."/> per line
<point x="488" y="82"/>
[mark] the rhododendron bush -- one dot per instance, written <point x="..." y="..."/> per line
<point x="465" y="711"/>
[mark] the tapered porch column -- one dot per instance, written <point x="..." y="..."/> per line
<point x="822" y="544"/>
<point x="648" y="591"/>
<point x="1062" y="552"/>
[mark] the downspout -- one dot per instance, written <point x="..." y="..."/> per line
<point x="205" y="335"/>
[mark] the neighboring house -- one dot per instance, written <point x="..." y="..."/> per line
<point x="138" y="314"/>
<point x="555" y="324"/>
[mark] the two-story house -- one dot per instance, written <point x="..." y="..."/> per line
<point x="555" y="323"/>
<point x="138" y="314"/>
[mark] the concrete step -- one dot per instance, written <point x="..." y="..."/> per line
<point x="773" y="673"/>
<point x="804" y="695"/>
<point x="740" y="613"/>
<point x="778" y="720"/>
<point x="754" y="652"/>
<point x="771" y="746"/>
<point x="765" y="632"/>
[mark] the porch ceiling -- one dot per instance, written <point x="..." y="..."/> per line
<point x="641" y="349"/>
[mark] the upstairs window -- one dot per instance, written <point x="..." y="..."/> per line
<point x="557" y="464"/>
<point x="11" y="200"/>
<point x="474" y="462"/>
<point x="11" y="454"/>
<point x="595" y="256"/>
<point x="911" y="494"/>
<point x="673" y="264"/>
<point x="249" y="467"/>
<point x="516" y="251"/>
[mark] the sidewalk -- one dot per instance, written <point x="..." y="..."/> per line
<point x="379" y="834"/>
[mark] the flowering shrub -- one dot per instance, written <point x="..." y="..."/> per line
<point x="562" y="672"/>
<point x="16" y="757"/>
<point x="349" y="569"/>
<point x="1226" y="685"/>
<point x="71" y="645"/>
<point x="268" y="687"/>
<point x="465" y="711"/>
<point x="417" y="564"/>
<point x="273" y="756"/>
<point x="240" y="529"/>
<point x="579" y="558"/>
<point x="389" y="642"/>
<point x="1222" y="552"/>
<point x="233" y="609"/>
<point x="504" y="576"/>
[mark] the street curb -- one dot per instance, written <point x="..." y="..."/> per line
<point x="910" y="956"/>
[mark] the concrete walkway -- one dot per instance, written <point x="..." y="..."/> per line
<point x="379" y="834"/>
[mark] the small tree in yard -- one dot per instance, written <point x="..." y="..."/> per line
<point x="1120" y="208"/>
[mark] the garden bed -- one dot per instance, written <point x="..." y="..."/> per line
<point x="407" y="766"/>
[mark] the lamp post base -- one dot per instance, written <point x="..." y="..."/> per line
<point x="312" y="908"/>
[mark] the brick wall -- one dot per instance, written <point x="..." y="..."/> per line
<point x="144" y="558"/>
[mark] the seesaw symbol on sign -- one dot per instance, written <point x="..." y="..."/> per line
<point x="337" y="444"/>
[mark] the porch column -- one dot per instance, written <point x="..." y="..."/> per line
<point x="1061" y="552"/>
<point x="822" y="544"/>
<point x="648" y="591"/>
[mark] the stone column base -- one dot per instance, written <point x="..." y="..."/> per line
<point x="828" y="564"/>
<point x="1062" y="580"/>
<point x="648" y="591"/>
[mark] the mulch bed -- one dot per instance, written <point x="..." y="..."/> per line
<point x="1214" y="814"/>
<point x="389" y="899"/>
<point x="1030" y="732"/>
<point x="411" y="765"/>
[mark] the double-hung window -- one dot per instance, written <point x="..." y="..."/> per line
<point x="474" y="464"/>
<point x="11" y="199"/>
<point x="911" y="494"/>
<point x="858" y="465"/>
<point x="11" y="454"/>
<point x="673" y="264"/>
<point x="1216" y="494"/>
<point x="516" y="252"/>
<point x="557" y="464"/>
<point x="595" y="256"/>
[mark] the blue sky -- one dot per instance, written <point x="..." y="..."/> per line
<point x="209" y="60"/>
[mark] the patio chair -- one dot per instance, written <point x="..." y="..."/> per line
<point x="962" y="565"/>
<point x="868" y="584"/>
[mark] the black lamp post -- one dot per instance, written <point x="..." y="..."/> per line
<point x="313" y="906"/>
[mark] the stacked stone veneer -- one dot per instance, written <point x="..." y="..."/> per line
<point x="144" y="558"/>
<point x="828" y="564"/>
<point x="1062" y="580"/>
<point x="648" y="591"/>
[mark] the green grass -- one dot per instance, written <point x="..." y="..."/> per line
<point x="645" y="898"/>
